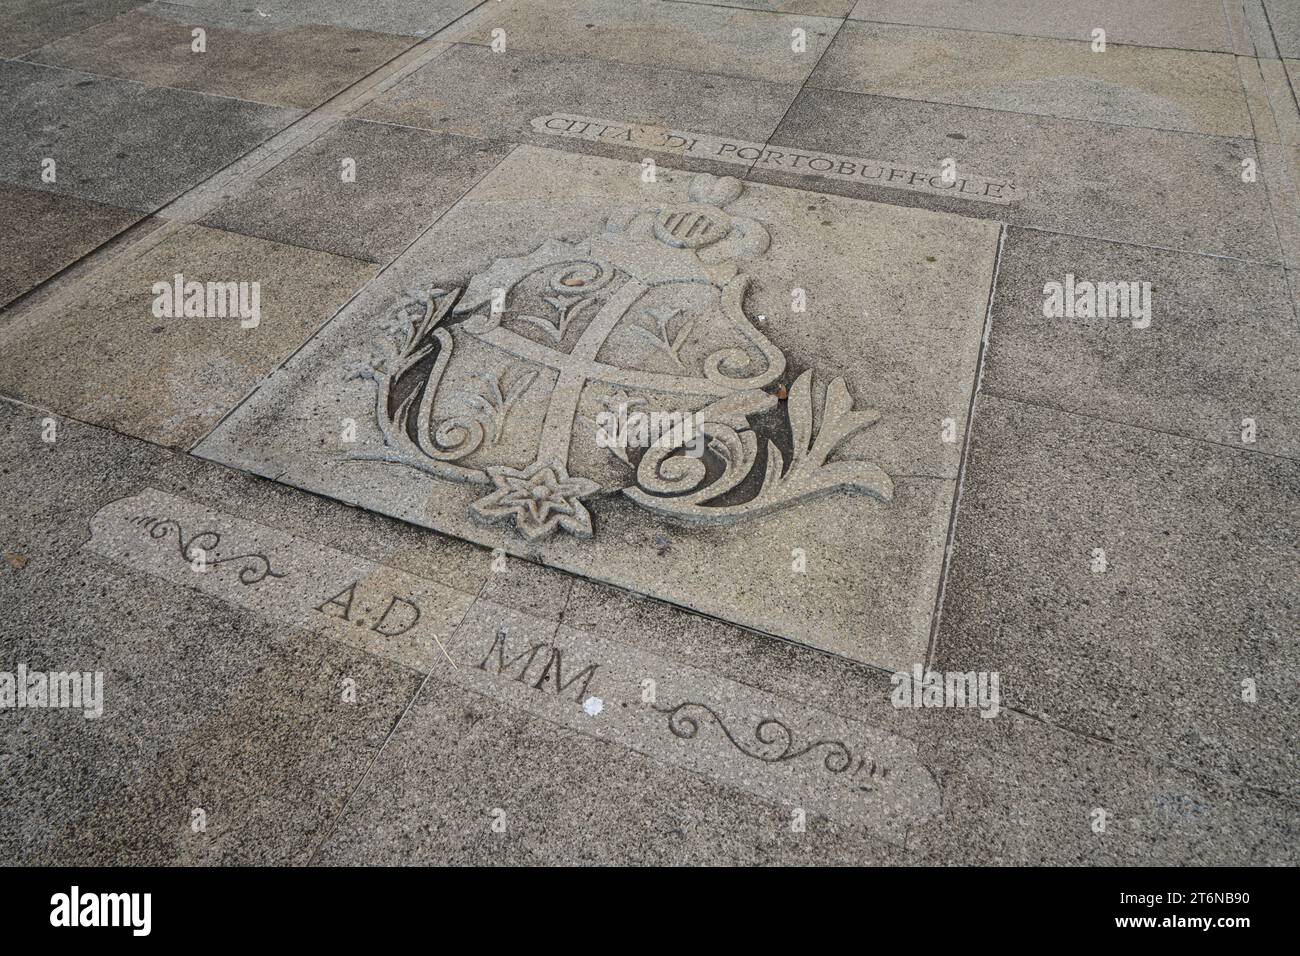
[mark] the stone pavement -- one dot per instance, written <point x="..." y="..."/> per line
<point x="597" y="431"/>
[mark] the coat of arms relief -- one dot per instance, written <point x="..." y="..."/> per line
<point x="502" y="382"/>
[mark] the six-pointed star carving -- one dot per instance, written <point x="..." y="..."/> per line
<point x="541" y="498"/>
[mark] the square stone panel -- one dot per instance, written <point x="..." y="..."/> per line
<point x="247" y="55"/>
<point x="41" y="233"/>
<point x="1132" y="86"/>
<point x="685" y="36"/>
<point x="102" y="355"/>
<point x="1184" y="24"/>
<point x="824" y="427"/>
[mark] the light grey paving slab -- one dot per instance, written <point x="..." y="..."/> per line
<point x="814" y="8"/>
<point x="246" y="55"/>
<point x="1176" y="190"/>
<point x="169" y="378"/>
<point x="684" y="36"/>
<point x="204" y="706"/>
<point x="1281" y="167"/>
<point x="1283" y="20"/>
<point x="1273" y="109"/>
<point x="399" y="181"/>
<point x="119" y="143"/>
<point x="1187" y="24"/>
<point x="1199" y="591"/>
<point x="448" y="95"/>
<point x="41" y="233"/>
<point x="28" y="24"/>
<point x="877" y="535"/>
<point x="1133" y="86"/>
<point x="416" y="18"/>
<point x="1218" y="344"/>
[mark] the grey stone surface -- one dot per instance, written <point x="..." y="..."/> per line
<point x="28" y="24"/>
<point x="170" y="379"/>
<point x="1273" y="109"/>
<point x="1159" y="188"/>
<point x="517" y="583"/>
<point x="404" y="17"/>
<point x="120" y="143"/>
<point x="247" y="56"/>
<point x="812" y="8"/>
<point x="448" y="95"/>
<point x="271" y="753"/>
<point x="1014" y="790"/>
<point x="1200" y="590"/>
<point x="1284" y="23"/>
<point x="1188" y="24"/>
<point x="684" y="36"/>
<point x="872" y="594"/>
<point x="299" y="582"/>
<point x="41" y="233"/>
<point x="1133" y="86"/>
<point x="204" y="706"/>
<point x="1222" y="344"/>
<point x="1281" y="169"/>
<point x="1121" y="686"/>
<point x="404" y="180"/>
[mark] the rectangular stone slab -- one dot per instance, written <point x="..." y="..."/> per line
<point x="819" y="511"/>
<point x="1185" y="25"/>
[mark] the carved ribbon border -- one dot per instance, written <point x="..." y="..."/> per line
<point x="838" y="756"/>
<point x="257" y="566"/>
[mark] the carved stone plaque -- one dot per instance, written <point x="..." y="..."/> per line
<point x="744" y="399"/>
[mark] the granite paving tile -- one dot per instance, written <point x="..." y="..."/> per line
<point x="685" y="36"/>
<point x="28" y="24"/>
<point x="1217" y="343"/>
<point x="1127" y="584"/>
<point x="1169" y="189"/>
<point x="400" y="181"/>
<point x="245" y="55"/>
<point x="1189" y="24"/>
<point x="170" y="378"/>
<point x="41" y="233"/>
<point x="120" y="143"/>
<point x="1133" y="86"/>
<point x="448" y="95"/>
<point x="417" y="18"/>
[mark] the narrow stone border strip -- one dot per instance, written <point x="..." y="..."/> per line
<point x="874" y="172"/>
<point x="807" y="759"/>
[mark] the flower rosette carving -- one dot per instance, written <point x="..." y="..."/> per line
<point x="538" y="500"/>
